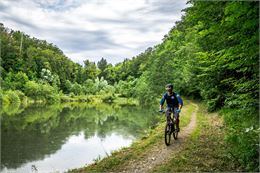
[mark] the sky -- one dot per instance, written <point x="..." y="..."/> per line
<point x="92" y="29"/>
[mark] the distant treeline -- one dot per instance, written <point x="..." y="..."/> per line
<point x="39" y="70"/>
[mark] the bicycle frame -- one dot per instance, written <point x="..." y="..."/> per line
<point x="170" y="127"/>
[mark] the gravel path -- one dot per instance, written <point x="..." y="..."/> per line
<point x="160" y="152"/>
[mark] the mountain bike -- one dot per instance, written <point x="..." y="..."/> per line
<point x="170" y="129"/>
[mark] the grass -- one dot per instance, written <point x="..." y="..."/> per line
<point x="205" y="149"/>
<point x="138" y="150"/>
<point x="185" y="115"/>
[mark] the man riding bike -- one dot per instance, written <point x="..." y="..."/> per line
<point x="174" y="104"/>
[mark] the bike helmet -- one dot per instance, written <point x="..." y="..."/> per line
<point x="169" y="86"/>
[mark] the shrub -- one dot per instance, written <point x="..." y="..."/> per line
<point x="76" y="89"/>
<point x="46" y="75"/>
<point x="67" y="87"/>
<point x="242" y="136"/>
<point x="100" y="84"/>
<point x="89" y="87"/>
<point x="15" y="81"/>
<point x="32" y="89"/>
<point x="143" y="92"/>
<point x="49" y="93"/>
<point x="126" y="88"/>
<point x="41" y="91"/>
<point x="21" y="95"/>
<point x="12" y="96"/>
<point x="1" y="98"/>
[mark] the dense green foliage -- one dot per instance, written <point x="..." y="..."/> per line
<point x="212" y="54"/>
<point x="29" y="66"/>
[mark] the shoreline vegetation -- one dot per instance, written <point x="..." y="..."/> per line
<point x="14" y="100"/>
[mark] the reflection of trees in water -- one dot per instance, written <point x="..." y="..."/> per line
<point x="39" y="131"/>
<point x="20" y="147"/>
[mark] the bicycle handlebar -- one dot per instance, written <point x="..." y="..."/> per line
<point x="162" y="111"/>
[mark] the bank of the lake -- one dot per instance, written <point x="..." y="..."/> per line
<point x="203" y="150"/>
<point x="14" y="101"/>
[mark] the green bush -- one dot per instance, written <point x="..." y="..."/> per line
<point x="5" y="101"/>
<point x="242" y="136"/>
<point x="99" y="84"/>
<point x="107" y="90"/>
<point x="76" y="89"/>
<point x="12" y="96"/>
<point x="32" y="89"/>
<point x="71" y="94"/>
<point x="21" y="95"/>
<point x="41" y="92"/>
<point x="126" y="88"/>
<point x="1" y="98"/>
<point x="54" y="98"/>
<point x="15" y="81"/>
<point x="89" y="87"/>
<point x="143" y="92"/>
<point x="67" y="87"/>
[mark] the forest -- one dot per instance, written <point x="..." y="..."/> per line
<point x="210" y="58"/>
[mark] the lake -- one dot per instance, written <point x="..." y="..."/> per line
<point x="60" y="137"/>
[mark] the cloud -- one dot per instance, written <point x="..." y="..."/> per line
<point x="82" y="40"/>
<point x="113" y="29"/>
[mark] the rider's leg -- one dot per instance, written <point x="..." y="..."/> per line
<point x="177" y="120"/>
<point x="168" y="115"/>
<point x="177" y="124"/>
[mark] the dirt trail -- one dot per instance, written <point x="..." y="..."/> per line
<point x="160" y="152"/>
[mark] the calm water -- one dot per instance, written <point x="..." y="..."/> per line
<point x="61" y="137"/>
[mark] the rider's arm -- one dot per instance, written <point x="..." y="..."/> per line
<point x="180" y="101"/>
<point x="162" y="102"/>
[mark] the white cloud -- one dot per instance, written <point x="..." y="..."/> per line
<point x="113" y="29"/>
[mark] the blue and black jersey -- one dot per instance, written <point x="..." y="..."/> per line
<point x="171" y="100"/>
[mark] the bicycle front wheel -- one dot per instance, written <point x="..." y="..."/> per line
<point x="167" y="134"/>
<point x="175" y="132"/>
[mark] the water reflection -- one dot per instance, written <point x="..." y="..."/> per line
<point x="66" y="136"/>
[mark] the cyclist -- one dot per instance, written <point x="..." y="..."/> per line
<point x="174" y="104"/>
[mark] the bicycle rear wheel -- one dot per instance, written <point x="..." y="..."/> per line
<point x="167" y="134"/>
<point x="175" y="132"/>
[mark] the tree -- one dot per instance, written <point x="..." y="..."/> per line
<point x="15" y="81"/>
<point x="102" y="64"/>
<point x="89" y="86"/>
<point x="91" y="70"/>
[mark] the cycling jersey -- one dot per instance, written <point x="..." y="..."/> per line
<point x="179" y="99"/>
<point x="171" y="100"/>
